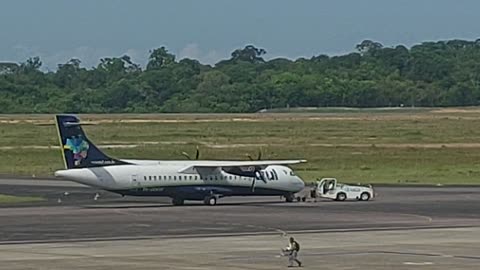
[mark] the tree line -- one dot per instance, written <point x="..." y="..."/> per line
<point x="443" y="73"/>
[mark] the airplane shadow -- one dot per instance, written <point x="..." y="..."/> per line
<point x="140" y="205"/>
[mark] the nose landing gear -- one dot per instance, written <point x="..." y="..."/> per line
<point x="289" y="197"/>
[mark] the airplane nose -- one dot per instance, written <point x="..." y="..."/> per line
<point x="301" y="182"/>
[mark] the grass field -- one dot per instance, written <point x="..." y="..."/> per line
<point x="373" y="146"/>
<point x="7" y="199"/>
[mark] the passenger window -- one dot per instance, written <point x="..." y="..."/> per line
<point x="145" y="178"/>
<point x="169" y="177"/>
<point x="155" y="178"/>
<point x="175" y="178"/>
<point x="150" y="177"/>
<point x="179" y="177"/>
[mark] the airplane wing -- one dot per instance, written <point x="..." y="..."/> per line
<point x="246" y="168"/>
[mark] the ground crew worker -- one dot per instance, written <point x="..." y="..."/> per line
<point x="293" y="249"/>
<point x="313" y="193"/>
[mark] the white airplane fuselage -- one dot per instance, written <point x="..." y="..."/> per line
<point x="180" y="180"/>
<point x="162" y="178"/>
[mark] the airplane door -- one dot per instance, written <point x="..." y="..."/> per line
<point x="135" y="180"/>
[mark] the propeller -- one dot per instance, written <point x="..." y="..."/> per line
<point x="197" y="154"/>
<point x="257" y="175"/>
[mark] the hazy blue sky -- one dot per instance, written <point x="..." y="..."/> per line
<point x="209" y="30"/>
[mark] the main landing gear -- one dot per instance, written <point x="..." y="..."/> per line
<point x="210" y="200"/>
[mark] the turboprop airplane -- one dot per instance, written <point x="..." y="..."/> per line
<point x="181" y="180"/>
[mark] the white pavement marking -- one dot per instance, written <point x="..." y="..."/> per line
<point x="229" y="234"/>
<point x="418" y="263"/>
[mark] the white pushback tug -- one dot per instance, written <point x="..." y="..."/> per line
<point x="329" y="188"/>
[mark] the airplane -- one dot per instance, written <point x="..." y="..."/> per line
<point x="181" y="180"/>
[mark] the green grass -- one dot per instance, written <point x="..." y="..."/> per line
<point x="380" y="147"/>
<point x="7" y="199"/>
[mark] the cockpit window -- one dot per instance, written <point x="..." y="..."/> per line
<point x="292" y="173"/>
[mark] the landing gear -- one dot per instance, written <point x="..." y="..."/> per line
<point x="289" y="198"/>
<point x="210" y="200"/>
<point x="178" y="201"/>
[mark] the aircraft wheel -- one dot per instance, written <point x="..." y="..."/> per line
<point x="210" y="200"/>
<point x="365" y="196"/>
<point x="341" y="196"/>
<point x="289" y="198"/>
<point x="178" y="201"/>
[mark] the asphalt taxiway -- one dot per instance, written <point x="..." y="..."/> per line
<point x="403" y="227"/>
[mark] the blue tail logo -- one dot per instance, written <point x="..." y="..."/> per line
<point x="79" y="148"/>
<point x="78" y="151"/>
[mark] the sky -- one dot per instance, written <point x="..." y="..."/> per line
<point x="209" y="30"/>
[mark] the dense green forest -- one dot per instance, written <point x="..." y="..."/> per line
<point x="444" y="73"/>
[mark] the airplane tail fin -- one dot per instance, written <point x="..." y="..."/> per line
<point x="78" y="151"/>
